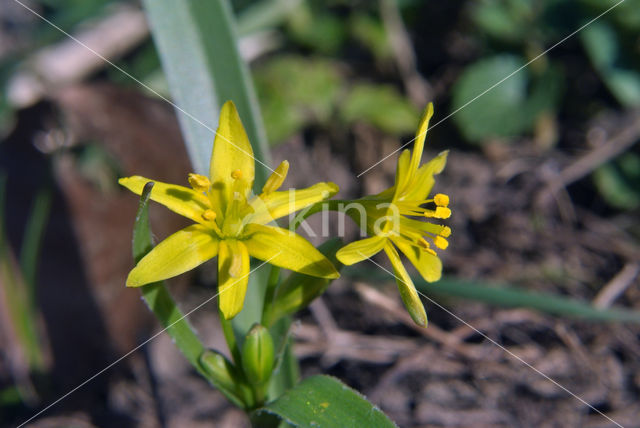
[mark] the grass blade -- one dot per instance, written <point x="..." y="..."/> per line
<point x="506" y="297"/>
<point x="197" y="44"/>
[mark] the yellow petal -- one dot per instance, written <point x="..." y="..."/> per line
<point x="288" y="250"/>
<point x="275" y="205"/>
<point x="180" y="252"/>
<point x="276" y="179"/>
<point x="402" y="173"/>
<point x="421" y="133"/>
<point x="232" y="158"/>
<point x="233" y="277"/>
<point x="360" y="250"/>
<point x="179" y="199"/>
<point x="407" y="290"/>
<point x="429" y="265"/>
<point x="423" y="182"/>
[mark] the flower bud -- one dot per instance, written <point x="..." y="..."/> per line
<point x="222" y="373"/>
<point x="258" y="355"/>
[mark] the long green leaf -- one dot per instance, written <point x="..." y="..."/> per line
<point x="34" y="233"/>
<point x="162" y="304"/>
<point x="197" y="44"/>
<point x="505" y="297"/>
<point x="324" y="401"/>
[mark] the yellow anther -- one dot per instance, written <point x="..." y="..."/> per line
<point x="440" y="242"/>
<point x="443" y="212"/>
<point x="441" y="200"/>
<point x="236" y="174"/>
<point x="276" y="179"/>
<point x="445" y="232"/>
<point x="200" y="183"/>
<point x="423" y="243"/>
<point x="209" y="215"/>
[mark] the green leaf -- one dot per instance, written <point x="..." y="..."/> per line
<point x="264" y="15"/>
<point x="295" y="92"/>
<point x="19" y="292"/>
<point x="619" y="181"/>
<point x="381" y="106"/>
<point x="163" y="306"/>
<point x="603" y="48"/>
<point x="324" y="401"/>
<point x="370" y="32"/>
<point x="32" y="241"/>
<point x="197" y="44"/>
<point x="317" y="29"/>
<point x="504" y="296"/>
<point x="497" y="112"/>
<point x="495" y="97"/>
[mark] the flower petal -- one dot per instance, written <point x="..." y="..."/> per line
<point x="402" y="173"/>
<point x="287" y="249"/>
<point x="429" y="265"/>
<point x="408" y="292"/>
<point x="357" y="251"/>
<point x="423" y="182"/>
<point x="180" y="252"/>
<point x="421" y="134"/>
<point x="272" y="206"/>
<point x="232" y="157"/>
<point x="233" y="277"/>
<point x="179" y="199"/>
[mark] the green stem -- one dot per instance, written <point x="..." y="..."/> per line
<point x="230" y="337"/>
<point x="272" y="288"/>
<point x="331" y="205"/>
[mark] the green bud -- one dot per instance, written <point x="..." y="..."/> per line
<point x="258" y="355"/>
<point x="222" y="374"/>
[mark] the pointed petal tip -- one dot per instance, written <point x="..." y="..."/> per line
<point x="133" y="282"/>
<point x="229" y="105"/>
<point x="420" y="321"/>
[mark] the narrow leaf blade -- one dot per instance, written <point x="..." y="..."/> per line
<point x="506" y="297"/>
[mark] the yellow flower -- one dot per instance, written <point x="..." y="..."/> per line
<point x="231" y="222"/>
<point x="388" y="220"/>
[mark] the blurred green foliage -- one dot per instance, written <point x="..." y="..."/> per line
<point x="512" y="33"/>
<point x="618" y="181"/>
<point x="509" y="108"/>
<point x="333" y="66"/>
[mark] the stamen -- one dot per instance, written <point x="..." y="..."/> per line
<point x="276" y="179"/>
<point x="198" y="182"/>
<point x="440" y="242"/>
<point x="237" y="174"/>
<point x="441" y="200"/>
<point x="209" y="215"/>
<point x="423" y="243"/>
<point x="443" y="212"/>
<point x="445" y="232"/>
<point x="440" y="212"/>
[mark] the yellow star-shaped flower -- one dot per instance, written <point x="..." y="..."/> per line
<point x="230" y="222"/>
<point x="388" y="220"/>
